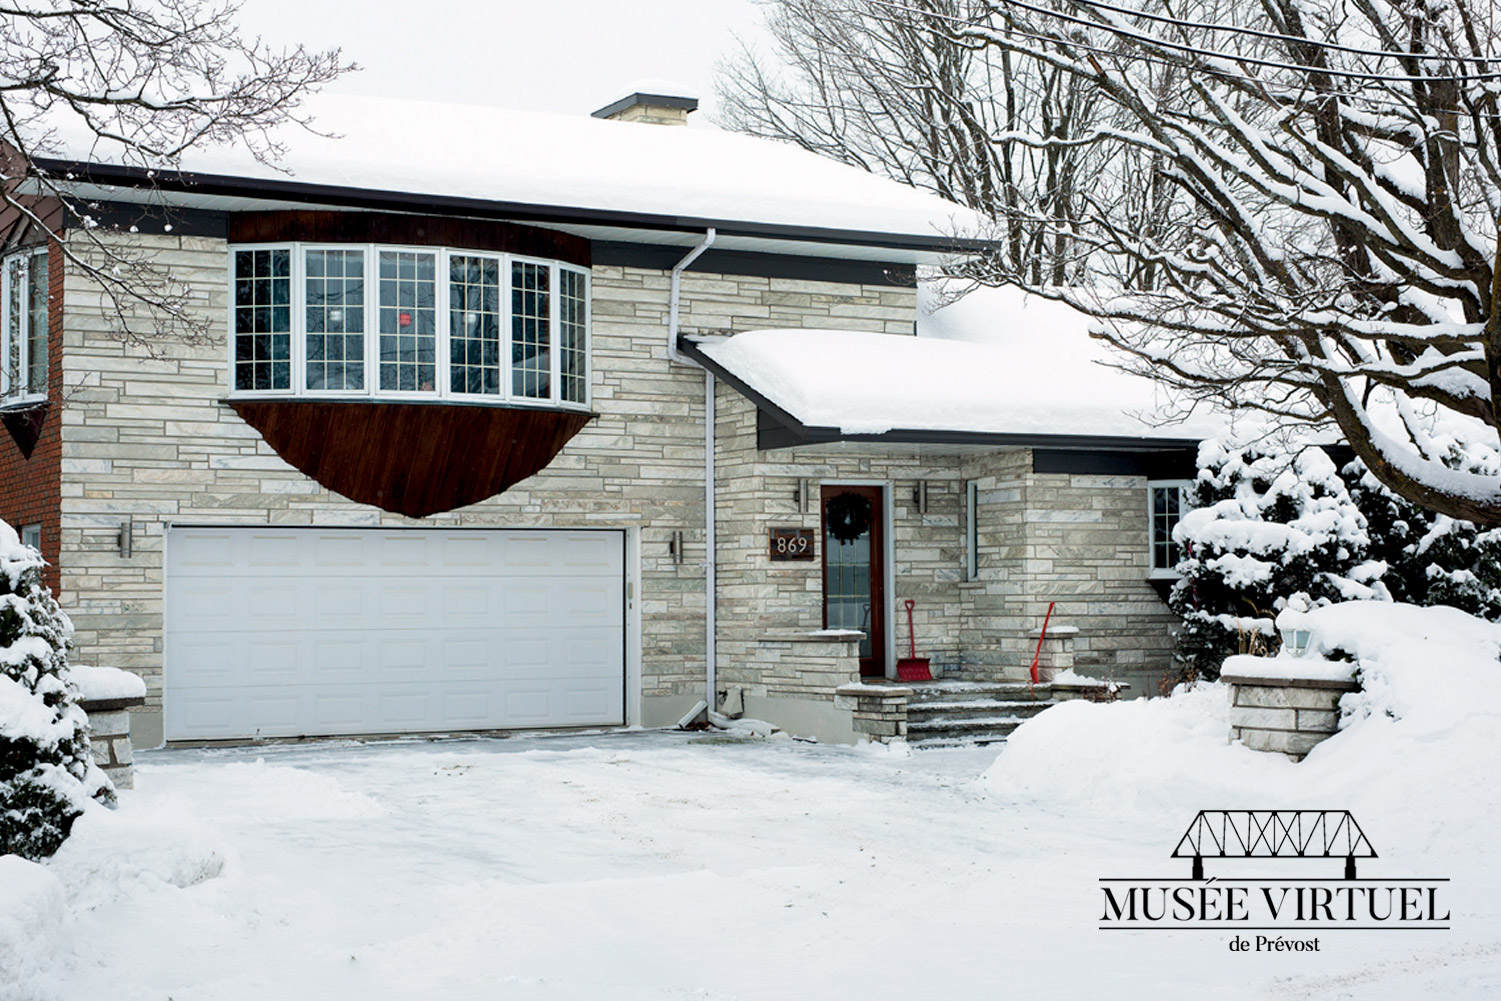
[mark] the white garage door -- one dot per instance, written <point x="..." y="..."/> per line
<point x="302" y="631"/>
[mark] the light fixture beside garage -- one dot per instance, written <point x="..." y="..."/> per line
<point x="920" y="496"/>
<point x="675" y="546"/>
<point x="124" y="539"/>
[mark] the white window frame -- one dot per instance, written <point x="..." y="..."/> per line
<point x="442" y="376"/>
<point x="9" y="394"/>
<point x="299" y="322"/>
<point x="30" y="532"/>
<point x="971" y="530"/>
<point x="1184" y="493"/>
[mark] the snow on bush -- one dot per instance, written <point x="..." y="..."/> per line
<point x="1265" y="528"/>
<point x="47" y="773"/>
<point x="1433" y="559"/>
<point x="1415" y="757"/>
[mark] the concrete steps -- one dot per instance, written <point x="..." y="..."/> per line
<point x="958" y="713"/>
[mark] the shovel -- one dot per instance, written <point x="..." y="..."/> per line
<point x="913" y="667"/>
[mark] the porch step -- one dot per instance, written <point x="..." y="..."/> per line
<point x="958" y="691"/>
<point x="958" y="713"/>
<point x="975" y="708"/>
<point x="973" y="730"/>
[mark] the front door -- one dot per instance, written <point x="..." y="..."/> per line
<point x="854" y="571"/>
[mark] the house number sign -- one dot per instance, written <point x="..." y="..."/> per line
<point x="791" y="544"/>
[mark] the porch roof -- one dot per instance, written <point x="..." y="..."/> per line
<point x="983" y="371"/>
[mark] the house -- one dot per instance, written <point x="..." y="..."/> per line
<point x="474" y="447"/>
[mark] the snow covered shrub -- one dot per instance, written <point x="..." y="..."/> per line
<point x="1432" y="559"/>
<point x="47" y="773"/>
<point x="1266" y="528"/>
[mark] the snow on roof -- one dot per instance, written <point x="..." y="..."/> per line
<point x="556" y="160"/>
<point x="996" y="361"/>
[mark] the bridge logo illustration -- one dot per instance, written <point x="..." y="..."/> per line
<point x="1248" y="888"/>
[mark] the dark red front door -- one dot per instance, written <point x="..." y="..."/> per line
<point x="854" y="571"/>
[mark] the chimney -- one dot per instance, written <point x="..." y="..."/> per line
<point x="655" y="102"/>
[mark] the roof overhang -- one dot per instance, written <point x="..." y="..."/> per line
<point x="776" y="428"/>
<point x="227" y="193"/>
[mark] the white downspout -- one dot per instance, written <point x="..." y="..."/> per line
<point x="711" y="696"/>
<point x="710" y="679"/>
<point x="677" y="294"/>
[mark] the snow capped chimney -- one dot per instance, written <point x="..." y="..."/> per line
<point x="656" y="102"/>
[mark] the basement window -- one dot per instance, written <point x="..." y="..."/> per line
<point x="23" y="326"/>
<point x="1167" y="501"/>
<point x="365" y="320"/>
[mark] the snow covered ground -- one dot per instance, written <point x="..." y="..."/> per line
<point x="673" y="866"/>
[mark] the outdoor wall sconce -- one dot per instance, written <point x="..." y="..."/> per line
<point x="675" y="546"/>
<point x="920" y="496"/>
<point x="800" y="495"/>
<point x="124" y="539"/>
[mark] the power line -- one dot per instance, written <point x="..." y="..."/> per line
<point x="1224" y="74"/>
<point x="1149" y="41"/>
<point x="1277" y="36"/>
<point x="1250" y="60"/>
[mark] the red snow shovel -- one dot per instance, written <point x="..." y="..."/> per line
<point x="913" y="668"/>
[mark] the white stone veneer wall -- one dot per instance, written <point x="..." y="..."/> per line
<point x="150" y="440"/>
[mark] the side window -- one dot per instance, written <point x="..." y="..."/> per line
<point x="1167" y="500"/>
<point x="263" y="319"/>
<point x="31" y="535"/>
<point x="23" y="325"/>
<point x="971" y="530"/>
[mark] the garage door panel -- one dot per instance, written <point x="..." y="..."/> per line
<point x="373" y="630"/>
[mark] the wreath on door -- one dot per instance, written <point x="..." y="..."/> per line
<point x="848" y="516"/>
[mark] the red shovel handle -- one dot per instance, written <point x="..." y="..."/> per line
<point x="911" y="636"/>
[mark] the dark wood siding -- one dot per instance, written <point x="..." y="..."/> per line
<point x="409" y="230"/>
<point x="414" y="459"/>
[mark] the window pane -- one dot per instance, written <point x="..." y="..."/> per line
<point x="474" y="325"/>
<point x="572" y="354"/>
<point x="408" y="321"/>
<point x="530" y="361"/>
<point x="263" y="320"/>
<point x="335" y="289"/>
<point x="15" y="323"/>
<point x="36" y="324"/>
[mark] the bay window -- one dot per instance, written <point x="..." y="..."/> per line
<point x="24" y="326"/>
<point x="408" y="322"/>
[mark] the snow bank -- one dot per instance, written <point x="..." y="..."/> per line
<point x="31" y="916"/>
<point x="117" y="853"/>
<point x="1415" y="759"/>
<point x="98" y="684"/>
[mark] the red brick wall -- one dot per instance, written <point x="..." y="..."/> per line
<point x="31" y="489"/>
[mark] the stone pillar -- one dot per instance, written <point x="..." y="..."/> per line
<point x="880" y="711"/>
<point x="109" y="736"/>
<point x="1057" y="652"/>
<point x="1285" y="715"/>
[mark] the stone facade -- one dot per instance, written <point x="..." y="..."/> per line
<point x="1077" y="540"/>
<point x="149" y="441"/>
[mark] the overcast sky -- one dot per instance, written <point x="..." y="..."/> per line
<point x="553" y="55"/>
